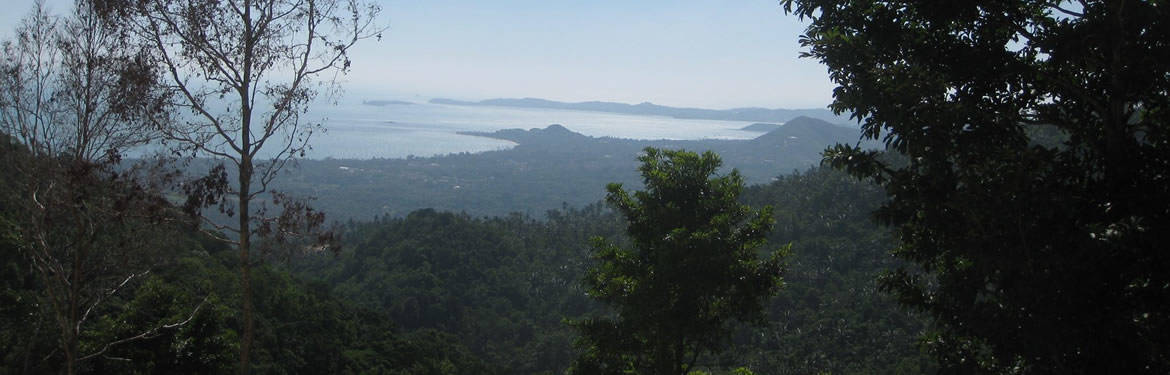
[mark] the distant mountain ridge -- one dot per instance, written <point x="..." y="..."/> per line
<point x="796" y="145"/>
<point x="549" y="167"/>
<point x="651" y="109"/>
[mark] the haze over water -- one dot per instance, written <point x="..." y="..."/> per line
<point x="360" y="131"/>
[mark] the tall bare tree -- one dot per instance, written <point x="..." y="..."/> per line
<point x="246" y="71"/>
<point x="74" y="95"/>
<point x="73" y="87"/>
<point x="29" y="66"/>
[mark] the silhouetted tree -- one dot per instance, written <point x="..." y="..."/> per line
<point x="1033" y="197"/>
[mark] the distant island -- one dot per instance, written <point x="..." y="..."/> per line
<point x="548" y="167"/>
<point x="761" y="127"/>
<point x="763" y="115"/>
<point x="381" y="103"/>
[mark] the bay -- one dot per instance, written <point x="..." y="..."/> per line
<point x="360" y="131"/>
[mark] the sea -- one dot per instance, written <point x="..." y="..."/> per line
<point x="354" y="130"/>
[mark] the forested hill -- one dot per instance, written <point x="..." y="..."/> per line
<point x="436" y="292"/>
<point x="651" y="109"/>
<point x="504" y="285"/>
<point x="549" y="168"/>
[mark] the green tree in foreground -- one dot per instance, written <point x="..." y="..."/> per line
<point x="692" y="269"/>
<point x="1033" y="196"/>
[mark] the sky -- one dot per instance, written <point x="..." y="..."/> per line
<point x="696" y="53"/>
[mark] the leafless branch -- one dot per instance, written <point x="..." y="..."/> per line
<point x="108" y="293"/>
<point x="150" y="333"/>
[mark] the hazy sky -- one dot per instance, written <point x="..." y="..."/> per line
<point x="702" y="53"/>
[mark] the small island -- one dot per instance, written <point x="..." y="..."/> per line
<point x="761" y="127"/>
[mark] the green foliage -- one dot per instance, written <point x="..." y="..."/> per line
<point x="447" y="293"/>
<point x="693" y="268"/>
<point x="498" y="286"/>
<point x="304" y="329"/>
<point x="21" y="324"/>
<point x="76" y="233"/>
<point x="735" y="371"/>
<point x="1032" y="197"/>
<point x="501" y="286"/>
<point x="832" y="317"/>
<point x="181" y="317"/>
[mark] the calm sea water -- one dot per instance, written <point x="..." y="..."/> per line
<point x="355" y="130"/>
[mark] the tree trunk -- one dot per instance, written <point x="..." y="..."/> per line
<point x="74" y="313"/>
<point x="245" y="179"/>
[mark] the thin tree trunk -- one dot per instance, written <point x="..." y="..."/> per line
<point x="245" y="180"/>
<point x="73" y="314"/>
<point x="28" y="346"/>
<point x="70" y="346"/>
<point x="245" y="177"/>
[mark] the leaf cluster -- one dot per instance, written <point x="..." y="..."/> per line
<point x="691" y="269"/>
<point x="1027" y="174"/>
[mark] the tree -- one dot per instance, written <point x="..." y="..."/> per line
<point x="73" y="96"/>
<point x="1027" y="174"/>
<point x="693" y="268"/>
<point x="244" y="70"/>
<point x="73" y="87"/>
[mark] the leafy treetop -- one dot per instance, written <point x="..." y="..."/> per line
<point x="691" y="270"/>
<point x="1032" y="199"/>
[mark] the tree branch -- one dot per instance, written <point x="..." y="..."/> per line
<point x="102" y="297"/>
<point x="146" y="334"/>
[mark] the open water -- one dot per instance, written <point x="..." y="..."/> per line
<point x="356" y="130"/>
